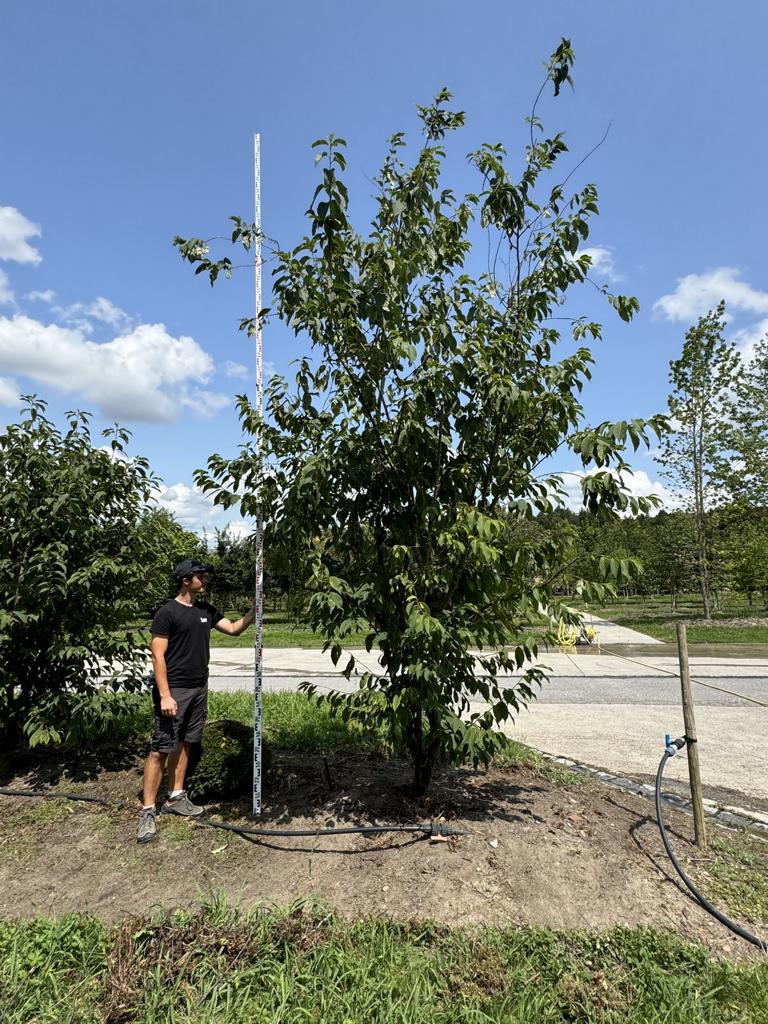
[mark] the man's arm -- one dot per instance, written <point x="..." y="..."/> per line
<point x="159" y="647"/>
<point x="235" y="628"/>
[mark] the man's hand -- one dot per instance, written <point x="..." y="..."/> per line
<point x="168" y="706"/>
<point x="236" y="628"/>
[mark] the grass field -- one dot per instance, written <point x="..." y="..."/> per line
<point x="654" y="616"/>
<point x="280" y="630"/>
<point x="216" y="966"/>
<point x="293" y="721"/>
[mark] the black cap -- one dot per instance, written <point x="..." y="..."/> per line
<point x="189" y="567"/>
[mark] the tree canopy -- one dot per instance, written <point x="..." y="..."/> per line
<point x="83" y="553"/>
<point x="417" y="440"/>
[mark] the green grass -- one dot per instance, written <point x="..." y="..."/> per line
<point x="517" y="755"/>
<point x="700" y="634"/>
<point x="216" y="966"/>
<point x="290" y="720"/>
<point x="280" y="630"/>
<point x="735" y="873"/>
<point x="293" y="721"/>
<point x="651" y="615"/>
<point x="655" y="617"/>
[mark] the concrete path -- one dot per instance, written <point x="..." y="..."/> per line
<point x="591" y="663"/>
<point x="612" y="633"/>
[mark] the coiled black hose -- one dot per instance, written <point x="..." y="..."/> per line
<point x="669" y="752"/>
<point x="434" y="828"/>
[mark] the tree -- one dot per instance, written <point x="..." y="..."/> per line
<point x="745" y="548"/>
<point x="419" y="438"/>
<point x="165" y="544"/>
<point x="78" y="543"/>
<point x="747" y="475"/>
<point x="669" y="558"/>
<point x="697" y="455"/>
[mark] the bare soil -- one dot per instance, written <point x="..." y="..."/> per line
<point x="535" y="853"/>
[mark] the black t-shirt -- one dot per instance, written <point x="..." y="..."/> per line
<point x="188" y="629"/>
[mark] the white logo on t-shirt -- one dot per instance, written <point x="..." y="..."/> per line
<point x="202" y="619"/>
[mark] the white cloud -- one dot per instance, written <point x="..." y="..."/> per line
<point x="15" y="229"/>
<point x="195" y="510"/>
<point x="207" y="402"/>
<point x="47" y="296"/>
<point x="6" y="295"/>
<point x="696" y="294"/>
<point x="145" y="374"/>
<point x="79" y="315"/>
<point x="748" y="337"/>
<point x="603" y="264"/>
<point x="235" y="369"/>
<point x="9" y="392"/>
<point x="240" y="529"/>
<point x="639" y="484"/>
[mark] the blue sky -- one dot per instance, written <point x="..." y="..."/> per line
<point x="125" y="124"/>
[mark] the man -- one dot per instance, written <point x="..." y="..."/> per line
<point x="181" y="631"/>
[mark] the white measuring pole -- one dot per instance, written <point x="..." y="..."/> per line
<point x="259" y="595"/>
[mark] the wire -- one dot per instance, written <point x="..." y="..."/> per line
<point x="710" y="686"/>
<point x="434" y="828"/>
<point x="722" y="918"/>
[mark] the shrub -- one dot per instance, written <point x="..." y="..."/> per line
<point x="221" y="766"/>
<point x="79" y="542"/>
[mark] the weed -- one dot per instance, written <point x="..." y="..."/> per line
<point x="220" y="966"/>
<point x="517" y="755"/>
<point x="735" y="872"/>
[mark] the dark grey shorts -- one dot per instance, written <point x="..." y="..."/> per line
<point x="186" y="725"/>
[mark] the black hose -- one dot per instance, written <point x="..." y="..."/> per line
<point x="434" y="828"/>
<point x="63" y="796"/>
<point x="702" y="900"/>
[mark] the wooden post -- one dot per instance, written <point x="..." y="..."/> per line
<point x="699" y="824"/>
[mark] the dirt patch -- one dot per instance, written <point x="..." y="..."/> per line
<point x="535" y="852"/>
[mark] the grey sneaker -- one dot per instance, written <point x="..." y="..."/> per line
<point x="147" y="825"/>
<point x="181" y="805"/>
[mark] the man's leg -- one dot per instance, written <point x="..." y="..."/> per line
<point x="164" y="741"/>
<point x="177" y="767"/>
<point x="153" y="775"/>
<point x="191" y="713"/>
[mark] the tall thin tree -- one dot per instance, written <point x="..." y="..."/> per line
<point x="697" y="453"/>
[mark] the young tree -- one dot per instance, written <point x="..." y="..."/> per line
<point x="670" y="557"/>
<point x="422" y="432"/>
<point x="747" y="475"/>
<point x="78" y="546"/>
<point x="744" y="533"/>
<point x="696" y="456"/>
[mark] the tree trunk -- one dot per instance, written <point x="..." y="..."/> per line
<point x="700" y="517"/>
<point x="424" y="752"/>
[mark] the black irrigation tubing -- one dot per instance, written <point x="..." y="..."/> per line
<point x="434" y="828"/>
<point x="670" y="751"/>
